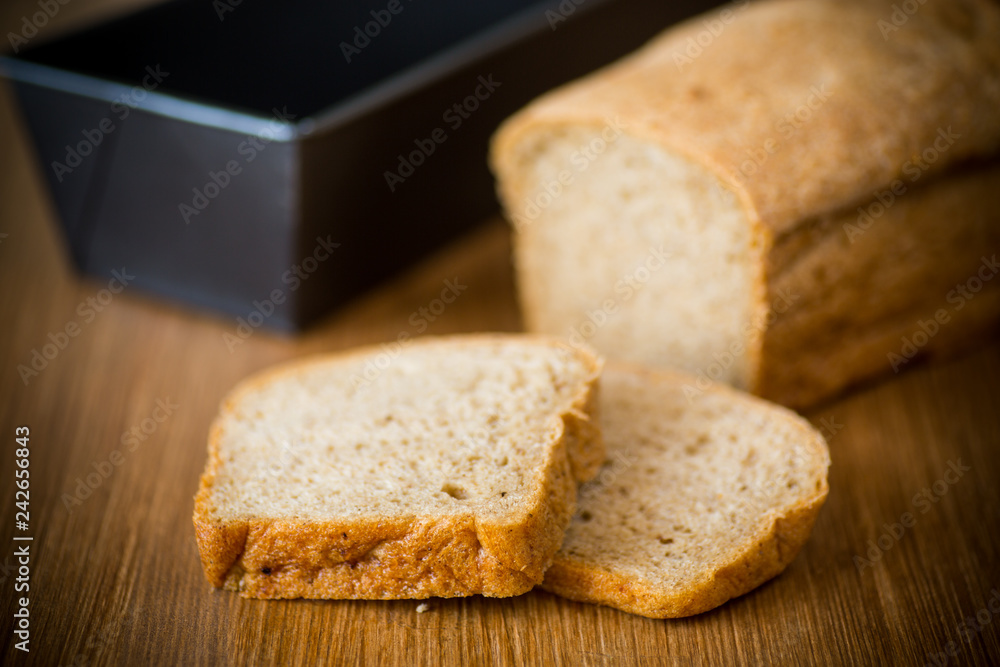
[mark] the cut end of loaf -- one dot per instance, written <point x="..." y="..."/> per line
<point x="698" y="502"/>
<point x="631" y="248"/>
<point x="449" y="471"/>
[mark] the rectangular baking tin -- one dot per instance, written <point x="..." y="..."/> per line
<point x="250" y="116"/>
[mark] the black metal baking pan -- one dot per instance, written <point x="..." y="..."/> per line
<point x="269" y="159"/>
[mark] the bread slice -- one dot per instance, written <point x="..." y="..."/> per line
<point x="446" y="467"/>
<point x="770" y="211"/>
<point x="699" y="501"/>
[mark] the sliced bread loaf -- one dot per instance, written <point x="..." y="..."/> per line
<point x="780" y="210"/>
<point x="449" y="470"/>
<point x="697" y="504"/>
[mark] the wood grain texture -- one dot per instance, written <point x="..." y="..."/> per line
<point x="117" y="579"/>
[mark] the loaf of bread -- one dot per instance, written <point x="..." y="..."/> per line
<point x="450" y="470"/>
<point x="790" y="196"/>
<point x="699" y="502"/>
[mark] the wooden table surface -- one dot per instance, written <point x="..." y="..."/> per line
<point x="115" y="579"/>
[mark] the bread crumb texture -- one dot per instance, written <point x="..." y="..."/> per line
<point x="451" y="472"/>
<point x="699" y="501"/>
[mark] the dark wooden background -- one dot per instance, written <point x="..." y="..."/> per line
<point x="117" y="580"/>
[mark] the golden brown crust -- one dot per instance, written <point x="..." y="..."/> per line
<point x="388" y="559"/>
<point x="581" y="427"/>
<point x="778" y="539"/>
<point x="399" y="557"/>
<point x="869" y="114"/>
<point x="863" y="284"/>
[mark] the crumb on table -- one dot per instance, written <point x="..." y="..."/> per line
<point x="422" y="607"/>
